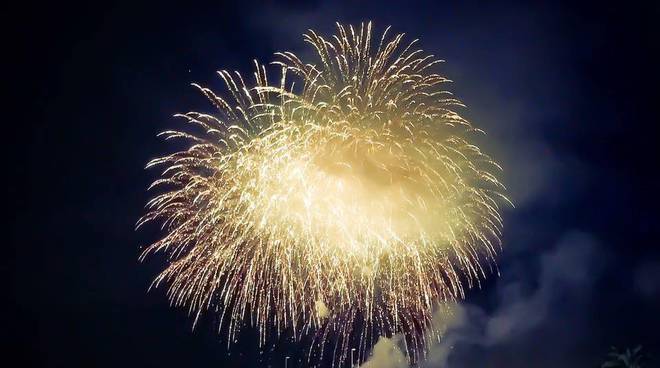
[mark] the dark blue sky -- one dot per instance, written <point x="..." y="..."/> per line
<point x="567" y="92"/>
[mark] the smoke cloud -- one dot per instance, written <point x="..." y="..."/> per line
<point x="508" y="335"/>
<point x="526" y="317"/>
<point x="387" y="354"/>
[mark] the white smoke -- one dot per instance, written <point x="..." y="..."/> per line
<point x="502" y="336"/>
<point x="386" y="354"/>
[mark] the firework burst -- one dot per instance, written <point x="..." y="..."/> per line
<point x="344" y="201"/>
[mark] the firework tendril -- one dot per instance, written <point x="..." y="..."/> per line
<point x="343" y="202"/>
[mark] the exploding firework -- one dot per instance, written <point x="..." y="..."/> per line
<point x="343" y="202"/>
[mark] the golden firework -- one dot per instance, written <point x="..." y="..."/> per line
<point x="344" y="201"/>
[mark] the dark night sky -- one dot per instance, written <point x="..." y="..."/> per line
<point x="567" y="92"/>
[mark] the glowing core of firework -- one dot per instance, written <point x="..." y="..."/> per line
<point x="352" y="196"/>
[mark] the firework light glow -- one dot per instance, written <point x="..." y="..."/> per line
<point x="345" y="201"/>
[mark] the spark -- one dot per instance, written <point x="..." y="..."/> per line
<point x="344" y="201"/>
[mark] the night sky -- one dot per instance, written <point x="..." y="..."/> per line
<point x="568" y="94"/>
